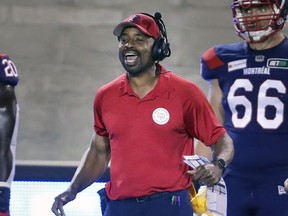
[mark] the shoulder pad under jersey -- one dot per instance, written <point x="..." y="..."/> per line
<point x="214" y="61"/>
<point x="211" y="59"/>
<point x="8" y="71"/>
<point x="209" y="63"/>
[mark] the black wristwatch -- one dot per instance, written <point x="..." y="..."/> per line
<point x="220" y="163"/>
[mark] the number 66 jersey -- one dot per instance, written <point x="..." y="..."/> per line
<point x="255" y="100"/>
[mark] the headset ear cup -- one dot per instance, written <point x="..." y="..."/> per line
<point x="284" y="12"/>
<point x="159" y="49"/>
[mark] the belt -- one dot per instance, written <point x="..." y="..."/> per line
<point x="152" y="196"/>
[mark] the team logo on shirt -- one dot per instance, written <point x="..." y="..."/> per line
<point x="236" y="65"/>
<point x="160" y="116"/>
<point x="277" y="63"/>
<point x="259" y="58"/>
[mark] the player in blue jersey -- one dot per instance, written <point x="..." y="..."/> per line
<point x="8" y="129"/>
<point x="248" y="90"/>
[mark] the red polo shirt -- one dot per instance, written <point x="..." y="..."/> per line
<point x="149" y="136"/>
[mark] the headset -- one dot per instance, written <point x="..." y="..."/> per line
<point x="161" y="47"/>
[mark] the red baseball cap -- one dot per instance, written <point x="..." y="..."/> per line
<point x="143" y="22"/>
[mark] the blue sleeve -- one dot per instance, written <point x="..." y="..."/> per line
<point x="8" y="71"/>
<point x="210" y="62"/>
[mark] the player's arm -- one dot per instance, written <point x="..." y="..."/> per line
<point x="7" y="122"/>
<point x="214" y="98"/>
<point x="223" y="149"/>
<point x="209" y="174"/>
<point x="286" y="185"/>
<point x="92" y="166"/>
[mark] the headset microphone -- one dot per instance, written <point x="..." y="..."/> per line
<point x="158" y="16"/>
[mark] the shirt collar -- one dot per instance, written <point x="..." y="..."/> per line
<point x="162" y="88"/>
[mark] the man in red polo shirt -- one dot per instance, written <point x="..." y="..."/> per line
<point x="145" y="121"/>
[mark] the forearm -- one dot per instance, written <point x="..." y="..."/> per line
<point x="93" y="164"/>
<point x="286" y="185"/>
<point x="6" y="161"/>
<point x="224" y="149"/>
<point x="202" y="150"/>
<point x="89" y="171"/>
<point x="7" y="119"/>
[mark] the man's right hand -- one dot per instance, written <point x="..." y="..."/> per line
<point x="61" y="200"/>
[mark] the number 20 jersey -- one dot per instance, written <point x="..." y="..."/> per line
<point x="9" y="76"/>
<point x="8" y="71"/>
<point x="255" y="100"/>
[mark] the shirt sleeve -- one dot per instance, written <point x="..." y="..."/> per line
<point x="210" y="62"/>
<point x="201" y="121"/>
<point x="99" y="125"/>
